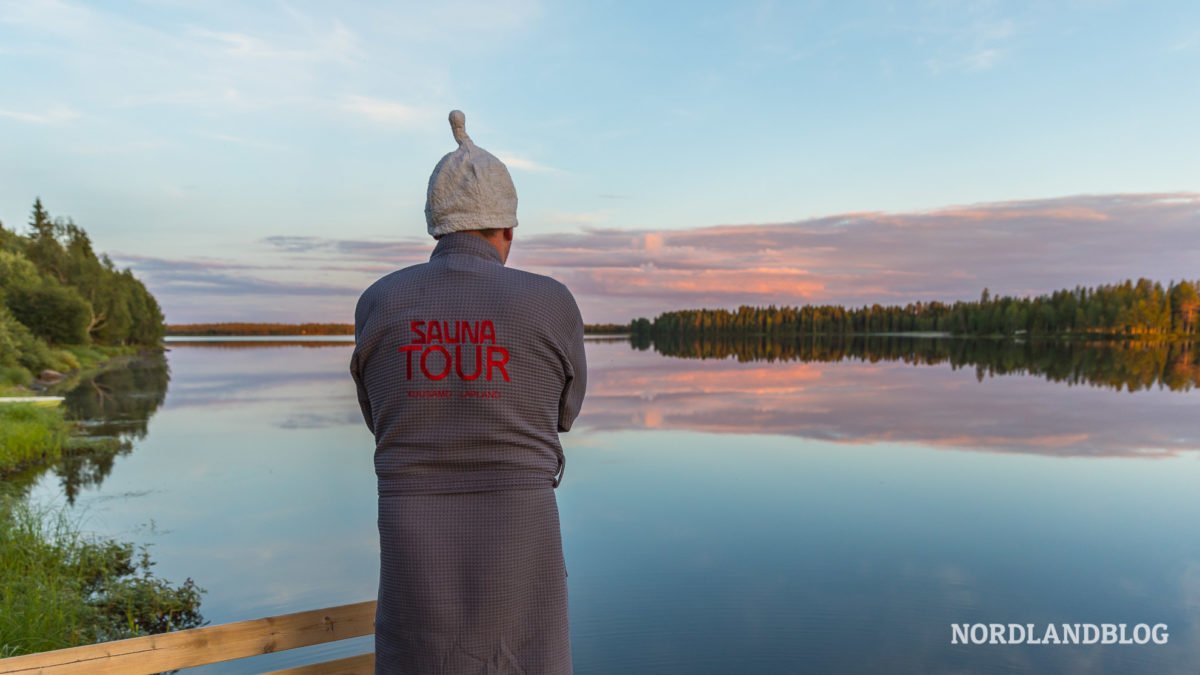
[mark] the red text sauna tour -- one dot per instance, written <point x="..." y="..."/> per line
<point x="439" y="349"/>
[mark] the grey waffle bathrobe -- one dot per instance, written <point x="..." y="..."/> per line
<point x="466" y="372"/>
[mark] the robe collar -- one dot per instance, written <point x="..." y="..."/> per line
<point x="465" y="242"/>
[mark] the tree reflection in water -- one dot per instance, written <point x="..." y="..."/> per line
<point x="1120" y="364"/>
<point x="113" y="407"/>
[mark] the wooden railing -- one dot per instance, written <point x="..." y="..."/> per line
<point x="214" y="644"/>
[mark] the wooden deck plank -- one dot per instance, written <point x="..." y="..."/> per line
<point x="200" y="646"/>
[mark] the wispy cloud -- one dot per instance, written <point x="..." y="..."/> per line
<point x="210" y="275"/>
<point x="351" y="250"/>
<point x="975" y="41"/>
<point x="213" y="290"/>
<point x="111" y="147"/>
<point x="590" y="218"/>
<point x="335" y="43"/>
<point x="1188" y="42"/>
<point x="392" y="113"/>
<point x="248" y="142"/>
<point x="205" y="56"/>
<point x="982" y="59"/>
<point x="524" y="164"/>
<point x="53" y="115"/>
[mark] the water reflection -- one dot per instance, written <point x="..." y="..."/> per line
<point x="943" y="393"/>
<point x="887" y="395"/>
<point x="1129" y="365"/>
<point x="719" y="515"/>
<point x="112" y="407"/>
<point x="119" y="400"/>
<point x="253" y="342"/>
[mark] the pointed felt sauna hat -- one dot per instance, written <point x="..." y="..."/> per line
<point x="470" y="189"/>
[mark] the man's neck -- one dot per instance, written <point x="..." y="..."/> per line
<point x="496" y="240"/>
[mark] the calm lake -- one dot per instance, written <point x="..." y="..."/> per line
<point x="830" y="509"/>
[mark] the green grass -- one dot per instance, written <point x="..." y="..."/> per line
<point x="67" y="359"/>
<point x="14" y="377"/>
<point x="39" y="601"/>
<point x="90" y="356"/>
<point x="29" y="434"/>
<point x="61" y="588"/>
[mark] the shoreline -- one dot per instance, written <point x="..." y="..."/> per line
<point x="70" y="587"/>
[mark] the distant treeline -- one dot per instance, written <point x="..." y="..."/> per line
<point x="606" y="328"/>
<point x="1130" y="309"/>
<point x="235" y="328"/>
<point x="56" y="294"/>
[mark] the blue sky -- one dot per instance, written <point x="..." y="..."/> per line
<point x="242" y="156"/>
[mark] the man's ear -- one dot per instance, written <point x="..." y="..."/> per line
<point x="508" y="234"/>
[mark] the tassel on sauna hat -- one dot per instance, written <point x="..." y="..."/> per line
<point x="470" y="189"/>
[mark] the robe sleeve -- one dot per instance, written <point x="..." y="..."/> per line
<point x="575" y="364"/>
<point x="364" y="402"/>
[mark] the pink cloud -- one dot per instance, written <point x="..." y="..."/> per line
<point x="1013" y="248"/>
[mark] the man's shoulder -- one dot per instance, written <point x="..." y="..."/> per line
<point x="536" y="289"/>
<point x="545" y="301"/>
<point x="536" y="282"/>
<point x="382" y="286"/>
<point x="391" y="279"/>
<point x="542" y="294"/>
